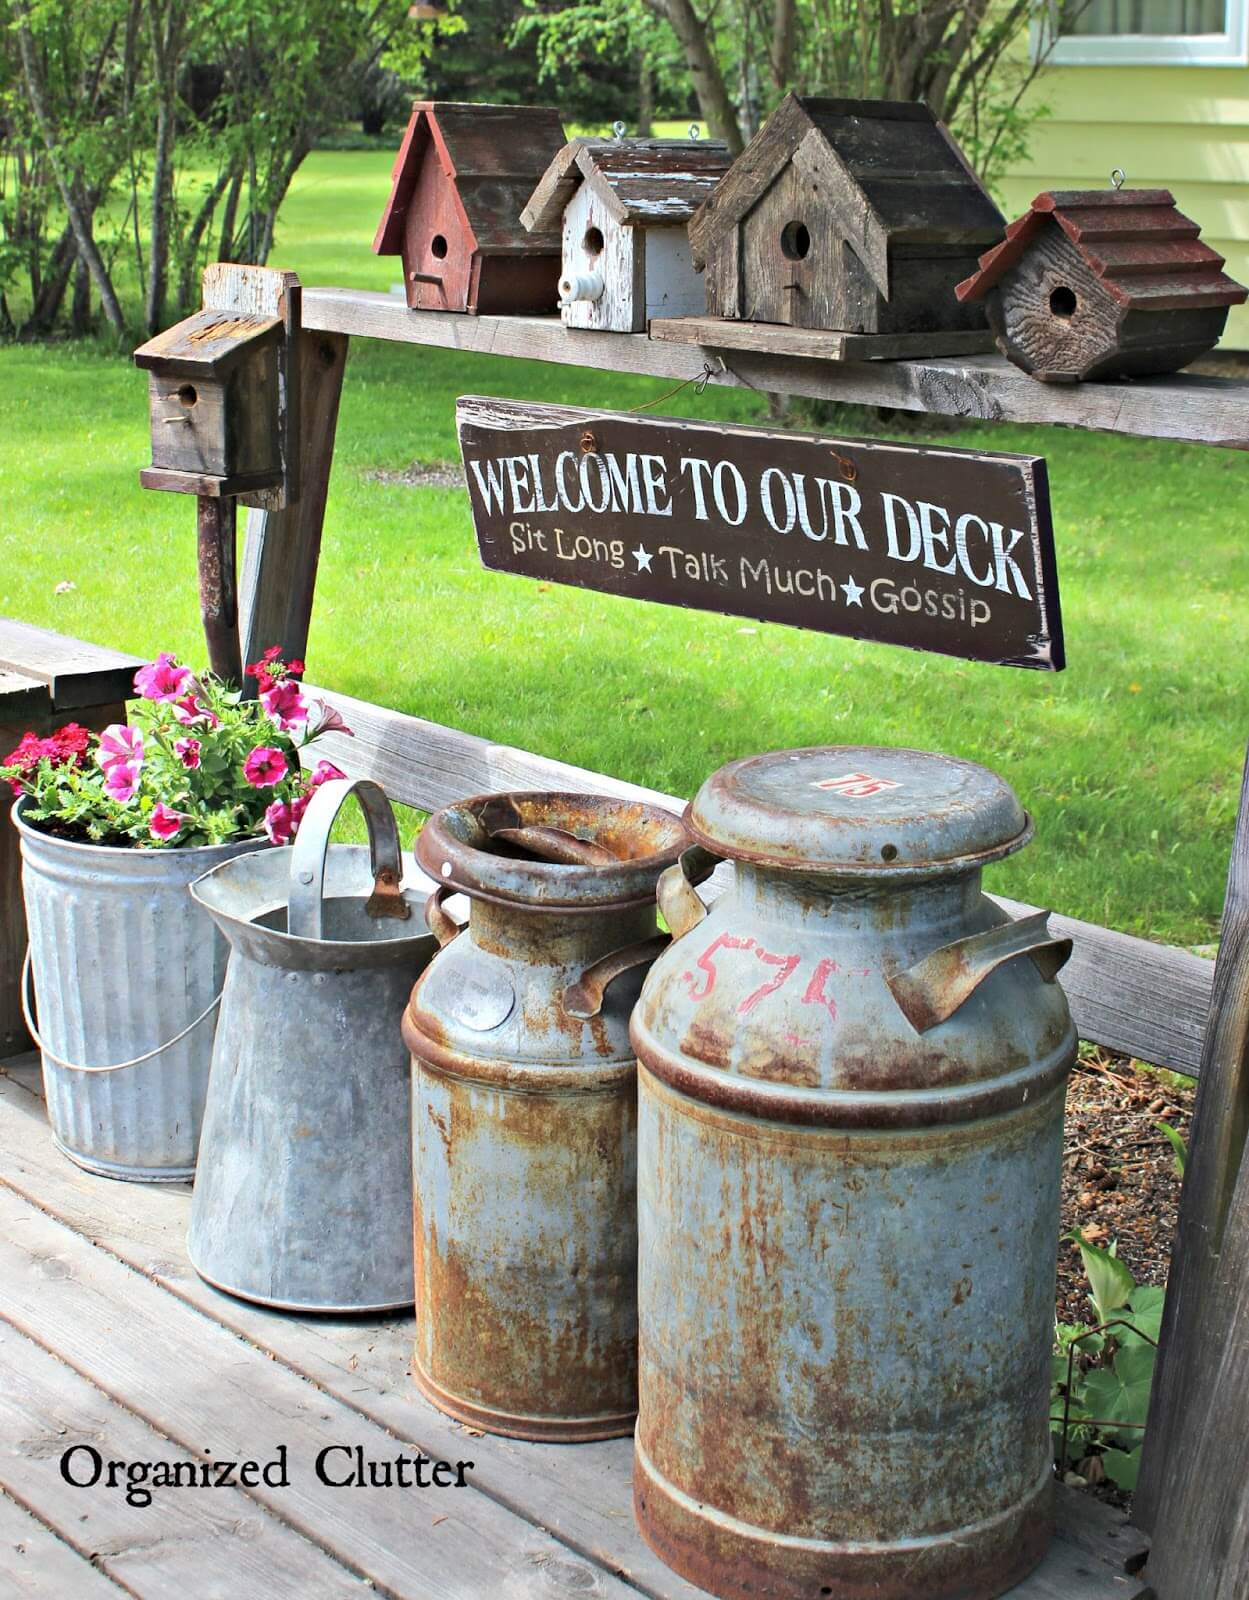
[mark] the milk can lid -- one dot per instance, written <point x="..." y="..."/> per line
<point x="858" y="810"/>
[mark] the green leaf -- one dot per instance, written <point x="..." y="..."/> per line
<point x="1145" y="1313"/>
<point x="1122" y="1466"/>
<point x="1110" y="1281"/>
<point x="1179" y="1147"/>
<point x="1121" y="1393"/>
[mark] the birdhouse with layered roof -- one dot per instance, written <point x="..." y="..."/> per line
<point x="857" y="216"/>
<point x="460" y="181"/>
<point x="1103" y="283"/>
<point x="623" y="207"/>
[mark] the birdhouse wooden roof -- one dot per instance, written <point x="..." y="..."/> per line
<point x="643" y="183"/>
<point x="887" y="170"/>
<point x="492" y="157"/>
<point x="206" y="344"/>
<point x="1146" y="252"/>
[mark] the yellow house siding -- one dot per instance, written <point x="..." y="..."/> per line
<point x="1180" y="128"/>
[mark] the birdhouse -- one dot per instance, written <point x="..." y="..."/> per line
<point x="461" y="177"/>
<point x="859" y="216"/>
<point x="1103" y="283"/>
<point x="213" y="396"/>
<point x="624" y="207"/>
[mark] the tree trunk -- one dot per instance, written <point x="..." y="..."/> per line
<point x="165" y="27"/>
<point x="646" y="96"/>
<point x="225" y="245"/>
<point x="79" y="220"/>
<point x="709" y="86"/>
<point x="784" y="26"/>
<point x="187" y="297"/>
<point x="80" y="315"/>
<point x="46" y="306"/>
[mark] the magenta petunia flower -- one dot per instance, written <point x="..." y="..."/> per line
<point x="264" y="767"/>
<point x="188" y="752"/>
<point x="279" y="823"/>
<point x="164" y="823"/>
<point x="324" y="718"/>
<point x="323" y="772"/>
<point x="285" y="705"/>
<point x="162" y="679"/>
<point x="120" y="745"/>
<point x="121" y="779"/>
<point x="189" y="711"/>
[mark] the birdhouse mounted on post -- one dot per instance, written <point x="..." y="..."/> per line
<point x="1103" y="283"/>
<point x="461" y="177"/>
<point x="624" y="206"/>
<point x="223" y="394"/>
<point x="857" y="216"/>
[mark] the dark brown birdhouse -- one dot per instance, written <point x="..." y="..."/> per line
<point x="460" y="182"/>
<point x="1103" y="283"/>
<point x="852" y="215"/>
<point x="213" y="396"/>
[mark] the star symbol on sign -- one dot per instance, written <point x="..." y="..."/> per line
<point x="643" y="558"/>
<point x="853" y="592"/>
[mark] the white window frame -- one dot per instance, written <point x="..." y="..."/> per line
<point x="1227" y="49"/>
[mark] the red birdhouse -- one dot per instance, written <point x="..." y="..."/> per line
<point x="460" y="183"/>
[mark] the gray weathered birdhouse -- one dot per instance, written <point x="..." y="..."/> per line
<point x="461" y="177"/>
<point x="213" y="396"/>
<point x="1103" y="283"/>
<point x="624" y="206"/>
<point x="859" y="216"/>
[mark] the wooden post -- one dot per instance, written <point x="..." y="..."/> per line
<point x="283" y="546"/>
<point x="1191" y="1340"/>
<point x="218" y="590"/>
<point x="1201" y="1519"/>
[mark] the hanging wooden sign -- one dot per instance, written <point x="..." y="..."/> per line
<point x="932" y="548"/>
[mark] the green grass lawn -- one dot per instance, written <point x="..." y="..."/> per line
<point x="1130" y="760"/>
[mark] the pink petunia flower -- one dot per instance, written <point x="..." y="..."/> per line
<point x="120" y="745"/>
<point x="280" y="823"/>
<point x="162" y="679"/>
<point x="323" y="772"/>
<point x="121" y="779"/>
<point x="188" y="752"/>
<point x="189" y="712"/>
<point x="164" y="823"/>
<point x="264" y="767"/>
<point x="323" y="718"/>
<point x="285" y="705"/>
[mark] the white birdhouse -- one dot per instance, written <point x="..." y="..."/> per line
<point x="625" y="205"/>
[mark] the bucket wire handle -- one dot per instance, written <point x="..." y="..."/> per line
<point x="304" y="918"/>
<point x="113" y="1066"/>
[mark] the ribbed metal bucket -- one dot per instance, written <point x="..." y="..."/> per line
<point x="123" y="960"/>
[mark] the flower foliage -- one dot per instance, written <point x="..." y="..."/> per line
<point x="195" y="764"/>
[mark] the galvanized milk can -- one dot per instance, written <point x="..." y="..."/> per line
<point x="303" y="1193"/>
<point x="850" y="1124"/>
<point x="524" y="1110"/>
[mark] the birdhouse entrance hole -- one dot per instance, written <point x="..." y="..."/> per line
<point x="438" y="247"/>
<point x="187" y="395"/>
<point x="1063" y="301"/>
<point x="795" y="241"/>
<point x="592" y="244"/>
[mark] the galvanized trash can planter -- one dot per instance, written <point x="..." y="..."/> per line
<point x="302" y="1199"/>
<point x="524" y="1110"/>
<point x="850" y="1138"/>
<point x="127" y="971"/>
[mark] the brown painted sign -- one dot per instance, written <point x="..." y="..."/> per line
<point x="927" y="547"/>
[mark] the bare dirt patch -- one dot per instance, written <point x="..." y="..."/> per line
<point x="422" y="475"/>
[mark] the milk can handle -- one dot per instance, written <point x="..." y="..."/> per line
<point x="680" y="903"/>
<point x="933" y="989"/>
<point x="312" y="843"/>
<point x="440" y="923"/>
<point x="584" y="998"/>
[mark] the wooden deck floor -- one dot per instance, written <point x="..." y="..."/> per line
<point x="108" y="1338"/>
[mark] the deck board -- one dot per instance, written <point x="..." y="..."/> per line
<point x="355" y="1370"/>
<point x="37" y="1565"/>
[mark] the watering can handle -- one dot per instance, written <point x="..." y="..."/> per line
<point x="312" y="843"/>
<point x="933" y="989"/>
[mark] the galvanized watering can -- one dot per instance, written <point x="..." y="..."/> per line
<point x="524" y="1110"/>
<point x="849" y="1149"/>
<point x="303" y="1194"/>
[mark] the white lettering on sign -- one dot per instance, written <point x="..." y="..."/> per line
<point x="857" y="785"/>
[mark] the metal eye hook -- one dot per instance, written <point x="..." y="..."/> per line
<point x="618" y="128"/>
<point x="694" y="132"/>
<point x="1118" y="178"/>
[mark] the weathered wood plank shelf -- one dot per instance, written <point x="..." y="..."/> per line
<point x="719" y="333"/>
<point x="1202" y="410"/>
<point x="108" y="1337"/>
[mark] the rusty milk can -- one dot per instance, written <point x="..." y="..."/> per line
<point x="850" y="1134"/>
<point x="524" y="1110"/>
